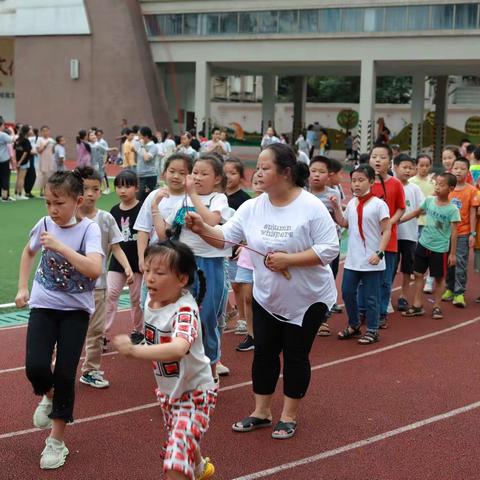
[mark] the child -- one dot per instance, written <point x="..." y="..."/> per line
<point x="59" y="151"/>
<point x="367" y="220"/>
<point x="244" y="278"/>
<point x="129" y="150"/>
<point x="320" y="173"/>
<point x="449" y="154"/>
<point x="224" y="139"/>
<point x="303" y="144"/>
<point x="125" y="214"/>
<point x="390" y="190"/>
<point x="185" y="148"/>
<point x="425" y="181"/>
<point x="404" y="167"/>
<point x="46" y="158"/>
<point x="186" y="390"/>
<point x="160" y="203"/>
<point x="110" y="238"/>
<point x="439" y="232"/>
<point x="475" y="167"/>
<point x="235" y="173"/>
<point x="23" y="154"/>
<point x="60" y="305"/>
<point x="464" y="196"/>
<point x="207" y="176"/>
<point x="146" y="151"/>
<point x="84" y="152"/>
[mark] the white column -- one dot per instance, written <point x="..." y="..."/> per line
<point x="368" y="82"/>
<point x="440" y="125"/>
<point x="202" y="96"/>
<point x="299" y="104"/>
<point x="269" y="94"/>
<point x="418" y="104"/>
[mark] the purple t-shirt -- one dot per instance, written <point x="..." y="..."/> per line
<point x="85" y="234"/>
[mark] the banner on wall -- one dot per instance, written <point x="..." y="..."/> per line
<point x="7" y="79"/>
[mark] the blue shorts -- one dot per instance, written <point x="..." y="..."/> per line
<point x="244" y="275"/>
<point x="232" y="270"/>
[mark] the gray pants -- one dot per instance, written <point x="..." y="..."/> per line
<point x="457" y="275"/>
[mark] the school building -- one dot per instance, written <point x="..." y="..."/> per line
<point x="158" y="62"/>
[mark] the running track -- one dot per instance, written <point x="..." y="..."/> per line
<point x="406" y="408"/>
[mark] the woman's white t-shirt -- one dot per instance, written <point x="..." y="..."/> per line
<point x="215" y="202"/>
<point x="358" y="253"/>
<point x="178" y="320"/>
<point x="303" y="224"/>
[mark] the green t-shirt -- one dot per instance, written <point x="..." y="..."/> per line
<point x="436" y="232"/>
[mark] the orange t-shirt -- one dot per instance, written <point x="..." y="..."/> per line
<point x="477" y="238"/>
<point x="464" y="199"/>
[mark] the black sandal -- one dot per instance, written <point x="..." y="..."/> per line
<point x="288" y="427"/>
<point x="437" y="313"/>
<point x="414" y="312"/>
<point x="249" y="424"/>
<point x="349" y="332"/>
<point x="368" y="338"/>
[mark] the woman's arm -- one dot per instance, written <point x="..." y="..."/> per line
<point x="166" y="352"/>
<point x="26" y="263"/>
<point x="211" y="218"/>
<point x="89" y="265"/>
<point x="122" y="259"/>
<point x="196" y="224"/>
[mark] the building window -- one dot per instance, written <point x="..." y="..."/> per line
<point x="308" y="22"/>
<point x="442" y="17"/>
<point x="267" y="22"/>
<point x="331" y="20"/>
<point x="288" y="21"/>
<point x="173" y="24"/>
<point x="229" y="22"/>
<point x="395" y="19"/>
<point x="374" y="20"/>
<point x="153" y="24"/>
<point x="248" y="22"/>
<point x="353" y="20"/>
<point x="190" y="24"/>
<point x="466" y="15"/>
<point x="418" y="17"/>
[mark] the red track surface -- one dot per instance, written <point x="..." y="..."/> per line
<point x="348" y="401"/>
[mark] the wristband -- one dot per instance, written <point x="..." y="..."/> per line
<point x="473" y="234"/>
<point x="155" y="212"/>
<point x="380" y="254"/>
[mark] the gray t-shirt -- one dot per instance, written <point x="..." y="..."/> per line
<point x="84" y="234"/>
<point x="4" y="151"/>
<point x="146" y="167"/>
<point x="325" y="198"/>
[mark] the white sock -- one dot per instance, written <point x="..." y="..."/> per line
<point x="199" y="468"/>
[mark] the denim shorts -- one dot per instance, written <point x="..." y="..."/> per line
<point x="232" y="270"/>
<point x="244" y="275"/>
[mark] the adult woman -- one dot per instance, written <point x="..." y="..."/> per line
<point x="297" y="228"/>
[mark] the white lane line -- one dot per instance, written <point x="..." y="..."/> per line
<point x="360" y="443"/>
<point x="246" y="384"/>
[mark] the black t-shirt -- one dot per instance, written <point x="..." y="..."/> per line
<point x="237" y="198"/>
<point x="126" y="220"/>
<point x="22" y="146"/>
<point x="195" y="144"/>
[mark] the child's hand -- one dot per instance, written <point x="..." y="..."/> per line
<point x="141" y="264"/>
<point x="335" y="202"/>
<point x="189" y="184"/>
<point x="162" y="193"/>
<point x="21" y="300"/>
<point x="129" y="275"/>
<point x="50" y="242"/>
<point x="194" y="222"/>
<point x="452" y="260"/>
<point x="374" y="259"/>
<point x="123" y="345"/>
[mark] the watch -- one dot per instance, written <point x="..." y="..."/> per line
<point x="380" y="254"/>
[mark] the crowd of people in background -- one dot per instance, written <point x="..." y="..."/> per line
<point x="186" y="228"/>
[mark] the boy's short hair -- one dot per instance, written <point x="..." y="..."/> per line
<point x="146" y="132"/>
<point x="476" y="153"/>
<point x="135" y="128"/>
<point x="128" y="131"/>
<point x="126" y="178"/>
<point x="423" y="155"/>
<point x="335" y="166"/>
<point x="363" y="158"/>
<point x="321" y="159"/>
<point x="88" y="173"/>
<point x="58" y="138"/>
<point x="403" y="157"/>
<point x="463" y="160"/>
<point x="450" y="178"/>
<point x="470" y="148"/>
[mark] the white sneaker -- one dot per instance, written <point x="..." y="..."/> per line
<point x="241" y="328"/>
<point x="390" y="307"/>
<point x="21" y="197"/>
<point x="222" y="370"/>
<point x="43" y="410"/>
<point x="94" y="379"/>
<point x="428" y="288"/>
<point x="54" y="454"/>
<point x="106" y="191"/>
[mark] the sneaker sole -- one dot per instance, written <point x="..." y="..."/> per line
<point x="241" y="332"/>
<point x="460" y="305"/>
<point x="245" y="349"/>
<point x="41" y="427"/>
<point x="59" y="464"/>
<point x="86" y="382"/>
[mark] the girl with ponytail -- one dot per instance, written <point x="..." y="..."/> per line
<point x="390" y="190"/>
<point x="367" y="220"/>
<point x="186" y="389"/>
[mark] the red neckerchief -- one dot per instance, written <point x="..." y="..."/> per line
<point x="361" y="202"/>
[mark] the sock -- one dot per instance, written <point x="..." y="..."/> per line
<point x="200" y="468"/>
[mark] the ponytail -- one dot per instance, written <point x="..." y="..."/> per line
<point x="202" y="287"/>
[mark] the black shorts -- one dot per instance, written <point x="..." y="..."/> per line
<point x="406" y="254"/>
<point x="426" y="259"/>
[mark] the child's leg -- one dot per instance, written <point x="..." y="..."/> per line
<point x="405" y="290"/>
<point x="461" y="266"/>
<point x="418" y="294"/>
<point x="371" y="288"/>
<point x="94" y="341"/>
<point x="71" y="336"/>
<point x="115" y="283"/>
<point x="386" y="286"/>
<point x="351" y="279"/>
<point x="136" y="312"/>
<point x="439" y="285"/>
